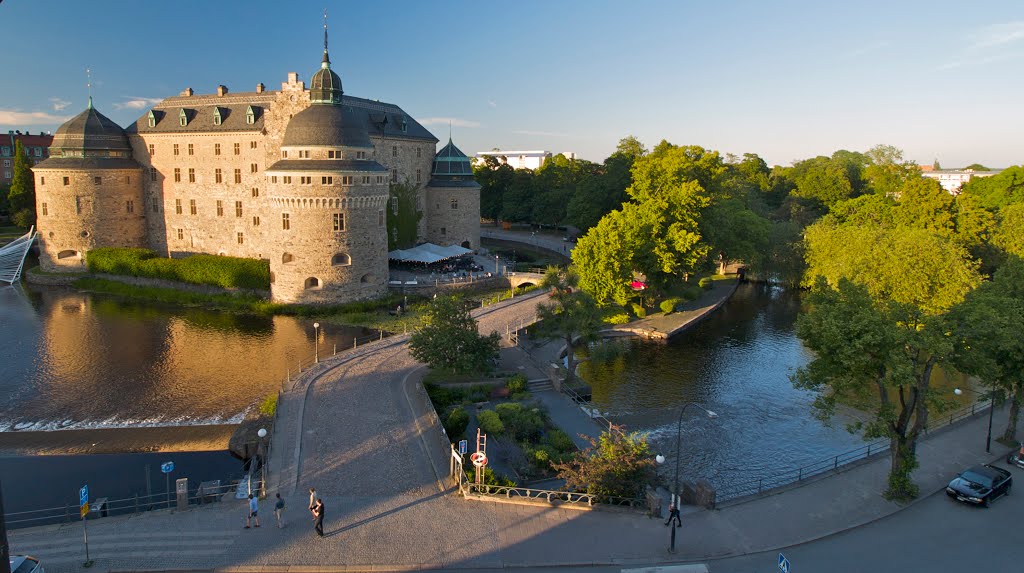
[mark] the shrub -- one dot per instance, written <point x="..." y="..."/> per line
<point x="516" y="384"/>
<point x="617" y="318"/>
<point x="490" y="422"/>
<point x="523" y="424"/>
<point x="478" y="393"/>
<point x="456" y="423"/>
<point x="268" y="407"/>
<point x="706" y="283"/>
<point x="668" y="306"/>
<point x="639" y="310"/>
<point x="442" y="397"/>
<point x="560" y="441"/>
<point x="225" y="272"/>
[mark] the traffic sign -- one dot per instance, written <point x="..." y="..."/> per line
<point x="167" y="467"/>
<point x="783" y="563"/>
<point x="84" y="510"/>
<point x="83" y="495"/>
<point x="463" y="446"/>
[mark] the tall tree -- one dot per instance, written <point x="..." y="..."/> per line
<point x="888" y="171"/>
<point x="571" y="315"/>
<point x="449" y="339"/>
<point x="494" y="178"/>
<point x="22" y="196"/>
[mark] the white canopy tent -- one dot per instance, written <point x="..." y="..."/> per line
<point x="428" y="253"/>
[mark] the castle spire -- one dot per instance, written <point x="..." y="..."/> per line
<point x="88" y="84"/>
<point x="326" y="63"/>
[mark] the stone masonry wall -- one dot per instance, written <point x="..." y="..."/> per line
<point x="453" y="216"/>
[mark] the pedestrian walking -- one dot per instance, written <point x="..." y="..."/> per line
<point x="252" y="516"/>
<point x="312" y="500"/>
<point x="279" y="511"/>
<point x="318" y="517"/>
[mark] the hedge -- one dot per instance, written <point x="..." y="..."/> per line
<point x="224" y="272"/>
<point x="668" y="306"/>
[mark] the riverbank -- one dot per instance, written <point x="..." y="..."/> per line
<point x="118" y="440"/>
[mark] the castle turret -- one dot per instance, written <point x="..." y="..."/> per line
<point x="453" y="200"/>
<point x="88" y="192"/>
<point x="326" y="199"/>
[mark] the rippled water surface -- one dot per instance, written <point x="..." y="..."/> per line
<point x="737" y="363"/>
<point x="76" y="360"/>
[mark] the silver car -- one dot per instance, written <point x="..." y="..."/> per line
<point x="25" y="564"/>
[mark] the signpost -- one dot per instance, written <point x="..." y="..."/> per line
<point x="783" y="563"/>
<point x="83" y="502"/>
<point x="463" y="445"/>
<point x="167" y="468"/>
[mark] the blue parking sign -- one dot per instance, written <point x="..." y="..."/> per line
<point x="83" y="495"/>
<point x="463" y="446"/>
<point x="167" y="467"/>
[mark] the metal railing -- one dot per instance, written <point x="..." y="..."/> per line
<point x="552" y="496"/>
<point x="103" y="507"/>
<point x="834" y="463"/>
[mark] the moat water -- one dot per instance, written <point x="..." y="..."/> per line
<point x="737" y="364"/>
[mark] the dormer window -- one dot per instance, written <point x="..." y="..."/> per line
<point x="152" y="119"/>
<point x="217" y="118"/>
<point x="250" y="115"/>
<point x="182" y="117"/>
<point x="405" y="125"/>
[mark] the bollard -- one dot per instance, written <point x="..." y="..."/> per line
<point x="335" y="349"/>
<point x="382" y="335"/>
<point x="355" y="343"/>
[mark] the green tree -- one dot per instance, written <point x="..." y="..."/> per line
<point x="571" y="315"/>
<point x="822" y="181"/>
<point x="22" y="196"/>
<point x="888" y="171"/>
<point x="616" y="465"/>
<point x="494" y="178"/>
<point x="449" y="339"/>
<point x="976" y="167"/>
<point x="517" y="204"/>
<point x="403" y="218"/>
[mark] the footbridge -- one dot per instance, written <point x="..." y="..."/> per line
<point x="525" y="279"/>
<point x="12" y="257"/>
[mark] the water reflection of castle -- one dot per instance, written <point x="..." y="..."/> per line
<point x="300" y="177"/>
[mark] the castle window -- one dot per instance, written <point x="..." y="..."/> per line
<point x="306" y="180"/>
<point x="287" y="258"/>
<point x="128" y="179"/>
<point x="303" y="154"/>
<point x="220" y="208"/>
<point x="405" y="125"/>
<point x="284" y="154"/>
<point x="238" y="175"/>
<point x="339" y="222"/>
<point x="255" y="221"/>
<point x="255" y="191"/>
<point x="419" y="175"/>
<point x="152" y="173"/>
<point x="177" y="206"/>
<point x="454" y="203"/>
<point x="394" y="151"/>
<point x="129" y="206"/>
<point x="366" y="179"/>
<point x="216" y="149"/>
<point x="67" y="254"/>
<point x="341" y="259"/>
<point x="250" y="115"/>
<point x="238" y="149"/>
<point x="152" y="150"/>
<point x="394" y="176"/>
<point x="45" y="213"/>
<point x="252" y="145"/>
<point x="419" y="152"/>
<point x="241" y="238"/>
<point x="312" y="283"/>
<point x="444" y="231"/>
<point x="332" y="154"/>
<point x="192" y="206"/>
<point x="182" y="117"/>
<point x="253" y="168"/>
<point x="97" y="180"/>
<point x="287" y="178"/>
<point x="380" y="217"/>
<point x="327" y="180"/>
<point x="216" y="116"/>
<point x="181" y="234"/>
<point x="218" y="176"/>
<point x="191" y="150"/>
<point x="42" y="181"/>
<point x="152" y="119"/>
<point x="273" y="178"/>
<point x="177" y="175"/>
<point x="238" y="208"/>
<point x="380" y="179"/>
<point x="176" y="149"/>
<point x="346" y="180"/>
<point x="156" y="205"/>
<point x="285" y="222"/>
<point x="360" y="155"/>
<point x="191" y="175"/>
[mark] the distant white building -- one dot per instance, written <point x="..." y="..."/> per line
<point x="520" y="159"/>
<point x="953" y="180"/>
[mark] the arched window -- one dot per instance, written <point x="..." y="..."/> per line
<point x="341" y="259"/>
<point x="287" y="258"/>
<point x="67" y="254"/>
<point x="312" y="283"/>
<point x="368" y="278"/>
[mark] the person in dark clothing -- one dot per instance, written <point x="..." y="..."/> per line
<point x="318" y="517"/>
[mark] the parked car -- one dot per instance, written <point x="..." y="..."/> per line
<point x="1016" y="458"/>
<point x="980" y="485"/>
<point x="25" y="564"/>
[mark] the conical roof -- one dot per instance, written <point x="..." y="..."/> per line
<point x="90" y="133"/>
<point x="451" y="162"/>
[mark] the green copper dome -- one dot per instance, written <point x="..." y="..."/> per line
<point x="325" y="87"/>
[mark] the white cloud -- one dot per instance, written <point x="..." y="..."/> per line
<point x="10" y="117"/>
<point x="454" y="121"/>
<point x="59" y="104"/>
<point x="866" y="48"/>
<point x="540" y="133"/>
<point x="138" y="102"/>
<point x="492" y="103"/>
<point x="997" y="35"/>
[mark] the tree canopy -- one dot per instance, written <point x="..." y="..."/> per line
<point x="21" y="198"/>
<point x="449" y="339"/>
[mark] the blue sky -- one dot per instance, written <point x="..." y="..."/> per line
<point x="785" y="79"/>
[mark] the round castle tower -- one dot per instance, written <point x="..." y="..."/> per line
<point x="88" y="193"/>
<point x="329" y="198"/>
<point x="452" y="192"/>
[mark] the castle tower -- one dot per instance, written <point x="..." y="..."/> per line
<point x="453" y="200"/>
<point x="88" y="193"/>
<point x="326" y="202"/>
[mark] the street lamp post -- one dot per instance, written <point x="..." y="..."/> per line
<point x="495" y="265"/>
<point x="262" y="455"/>
<point x="673" y="513"/>
<point x="991" y="411"/>
<point x="316" y="343"/>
